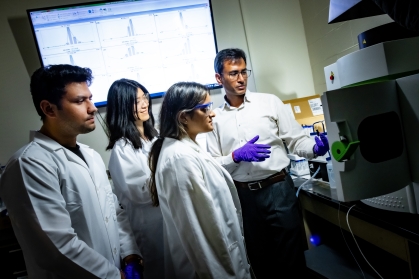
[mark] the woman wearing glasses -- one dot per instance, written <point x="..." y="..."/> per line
<point x="198" y="199"/>
<point x="131" y="133"/>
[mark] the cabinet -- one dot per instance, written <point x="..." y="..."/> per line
<point x="11" y="256"/>
<point x="388" y="240"/>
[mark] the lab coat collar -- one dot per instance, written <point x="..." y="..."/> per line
<point x="189" y="142"/>
<point x="248" y="97"/>
<point x="53" y="146"/>
<point x="203" y="153"/>
<point x="147" y="145"/>
<point x="47" y="142"/>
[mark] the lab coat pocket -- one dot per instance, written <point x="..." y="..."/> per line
<point x="235" y="257"/>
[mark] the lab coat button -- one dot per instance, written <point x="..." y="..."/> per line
<point x="114" y="250"/>
<point x="106" y="219"/>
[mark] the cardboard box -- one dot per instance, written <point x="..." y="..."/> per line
<point x="307" y="114"/>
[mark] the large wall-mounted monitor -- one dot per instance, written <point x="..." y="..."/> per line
<point x="343" y="10"/>
<point x="155" y="42"/>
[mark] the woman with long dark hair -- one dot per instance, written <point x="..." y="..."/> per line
<point x="131" y="132"/>
<point x="198" y="199"/>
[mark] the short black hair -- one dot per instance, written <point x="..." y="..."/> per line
<point x="48" y="83"/>
<point x="228" y="54"/>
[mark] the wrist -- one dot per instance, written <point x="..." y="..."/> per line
<point x="314" y="151"/>
<point x="234" y="160"/>
<point x="132" y="258"/>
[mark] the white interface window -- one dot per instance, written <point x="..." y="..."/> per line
<point x="152" y="42"/>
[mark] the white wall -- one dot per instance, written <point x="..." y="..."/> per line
<point x="278" y="48"/>
<point x="270" y="31"/>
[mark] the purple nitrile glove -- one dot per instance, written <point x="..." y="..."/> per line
<point x="133" y="270"/>
<point x="321" y="146"/>
<point x="252" y="152"/>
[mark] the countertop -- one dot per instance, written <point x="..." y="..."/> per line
<point x="403" y="224"/>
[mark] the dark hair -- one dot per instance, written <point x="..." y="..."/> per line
<point x="120" y="119"/>
<point x="180" y="97"/>
<point x="48" y="83"/>
<point x="228" y="54"/>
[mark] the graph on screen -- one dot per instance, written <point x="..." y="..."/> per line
<point x="156" y="43"/>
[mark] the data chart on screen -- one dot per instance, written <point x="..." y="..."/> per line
<point x="156" y="43"/>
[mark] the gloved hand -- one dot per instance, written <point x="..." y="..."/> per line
<point x="321" y="146"/>
<point x="133" y="270"/>
<point x="252" y="152"/>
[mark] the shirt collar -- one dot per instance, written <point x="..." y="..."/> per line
<point x="248" y="97"/>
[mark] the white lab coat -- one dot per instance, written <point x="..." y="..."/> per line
<point x="130" y="175"/>
<point x="64" y="214"/>
<point x="201" y="212"/>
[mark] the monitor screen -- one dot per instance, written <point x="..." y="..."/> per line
<point x="155" y="42"/>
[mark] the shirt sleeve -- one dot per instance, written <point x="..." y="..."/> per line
<point x="292" y="133"/>
<point x="130" y="174"/>
<point x="214" y="148"/>
<point x="193" y="211"/>
<point x="31" y="190"/>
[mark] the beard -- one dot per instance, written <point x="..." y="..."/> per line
<point x="70" y="127"/>
<point x="87" y="129"/>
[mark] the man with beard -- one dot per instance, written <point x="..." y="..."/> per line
<point x="247" y="141"/>
<point x="56" y="190"/>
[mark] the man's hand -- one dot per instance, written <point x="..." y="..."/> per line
<point x="321" y="146"/>
<point x="252" y="152"/>
<point x="133" y="270"/>
<point x="133" y="267"/>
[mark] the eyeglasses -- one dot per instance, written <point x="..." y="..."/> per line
<point x="206" y="107"/>
<point x="233" y="76"/>
<point x="143" y="99"/>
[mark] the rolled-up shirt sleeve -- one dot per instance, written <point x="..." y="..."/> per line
<point x="291" y="132"/>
